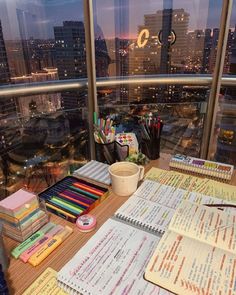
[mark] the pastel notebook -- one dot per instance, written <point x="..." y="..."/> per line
<point x="96" y="171"/>
<point x="197" y="254"/>
<point x="45" y="284"/>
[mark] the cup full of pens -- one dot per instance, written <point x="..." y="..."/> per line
<point x="104" y="136"/>
<point x="151" y="128"/>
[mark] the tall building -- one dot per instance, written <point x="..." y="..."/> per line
<point x="9" y="136"/>
<point x="195" y="50"/>
<point x="152" y="58"/>
<point x="213" y="52"/>
<point x="70" y="58"/>
<point x="206" y="51"/>
<point x="4" y="68"/>
<point x="233" y="54"/>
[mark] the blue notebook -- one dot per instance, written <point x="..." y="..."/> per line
<point x="96" y="171"/>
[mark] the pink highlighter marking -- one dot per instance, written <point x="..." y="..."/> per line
<point x="30" y="251"/>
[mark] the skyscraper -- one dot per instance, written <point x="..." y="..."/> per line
<point x="206" y="51"/>
<point x="9" y="137"/>
<point x="70" y="58"/>
<point x="4" y="68"/>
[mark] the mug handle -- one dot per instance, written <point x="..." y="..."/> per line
<point x="141" y="172"/>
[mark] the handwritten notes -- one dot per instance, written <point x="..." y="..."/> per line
<point x="197" y="254"/>
<point x="112" y="262"/>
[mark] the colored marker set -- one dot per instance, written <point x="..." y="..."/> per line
<point x="37" y="247"/>
<point x="21" y="215"/>
<point x="72" y="197"/>
<point x="216" y="170"/>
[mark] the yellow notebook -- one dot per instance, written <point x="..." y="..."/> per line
<point x="45" y="284"/>
<point x="197" y="254"/>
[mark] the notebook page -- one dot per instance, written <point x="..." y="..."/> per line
<point x="112" y="262"/>
<point x="206" y="224"/>
<point x="189" y="267"/>
<point x="146" y="214"/>
<point x="170" y="196"/>
<point x="153" y="205"/>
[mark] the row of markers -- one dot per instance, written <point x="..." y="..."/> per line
<point x="151" y="127"/>
<point x="104" y="131"/>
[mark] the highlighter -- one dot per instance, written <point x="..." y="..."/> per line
<point x="31" y="240"/>
<point x="34" y="248"/>
<point x="51" y="245"/>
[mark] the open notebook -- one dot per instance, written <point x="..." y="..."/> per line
<point x="197" y="254"/>
<point x="152" y="206"/>
<point x="113" y="261"/>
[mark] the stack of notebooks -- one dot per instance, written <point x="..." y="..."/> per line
<point x="215" y="170"/>
<point x="71" y="197"/>
<point x="95" y="171"/>
<point x="21" y="215"/>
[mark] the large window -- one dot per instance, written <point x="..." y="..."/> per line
<point x="153" y="38"/>
<point x="224" y="140"/>
<point x="43" y="42"/>
<point x="42" y="136"/>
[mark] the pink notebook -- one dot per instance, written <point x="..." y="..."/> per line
<point x="16" y="201"/>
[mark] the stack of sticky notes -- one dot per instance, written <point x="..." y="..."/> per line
<point x="21" y="215"/>
<point x="72" y="197"/>
<point x="38" y="246"/>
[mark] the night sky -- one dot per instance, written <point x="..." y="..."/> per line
<point x="52" y="13"/>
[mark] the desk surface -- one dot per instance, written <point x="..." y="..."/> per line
<point x="21" y="275"/>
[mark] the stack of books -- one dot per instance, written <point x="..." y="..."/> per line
<point x="21" y="215"/>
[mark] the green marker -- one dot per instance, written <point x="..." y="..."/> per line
<point x="16" y="252"/>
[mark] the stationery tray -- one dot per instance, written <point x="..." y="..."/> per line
<point x="72" y="197"/>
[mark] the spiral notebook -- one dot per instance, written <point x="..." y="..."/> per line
<point x="153" y="205"/>
<point x="113" y="261"/>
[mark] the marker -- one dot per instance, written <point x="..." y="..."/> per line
<point x="51" y="245"/>
<point x="61" y="212"/>
<point x="31" y="240"/>
<point x="34" y="248"/>
<point x="89" y="189"/>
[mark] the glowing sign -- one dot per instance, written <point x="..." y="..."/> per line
<point x="144" y="35"/>
<point x="143" y="38"/>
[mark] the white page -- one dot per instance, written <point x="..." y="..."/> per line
<point x="113" y="262"/>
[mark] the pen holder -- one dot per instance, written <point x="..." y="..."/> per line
<point x="105" y="152"/>
<point x="151" y="148"/>
<point x="111" y="152"/>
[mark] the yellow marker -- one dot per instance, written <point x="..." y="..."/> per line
<point x="51" y="245"/>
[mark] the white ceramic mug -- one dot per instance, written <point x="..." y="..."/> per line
<point x="125" y="177"/>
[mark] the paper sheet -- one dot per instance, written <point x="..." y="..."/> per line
<point x="112" y="262"/>
<point x="189" y="267"/>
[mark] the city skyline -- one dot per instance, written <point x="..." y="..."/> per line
<point x="47" y="15"/>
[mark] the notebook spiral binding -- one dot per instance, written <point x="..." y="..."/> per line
<point x="149" y="228"/>
<point x="70" y="287"/>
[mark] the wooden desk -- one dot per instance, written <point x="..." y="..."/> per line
<point x="21" y="275"/>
